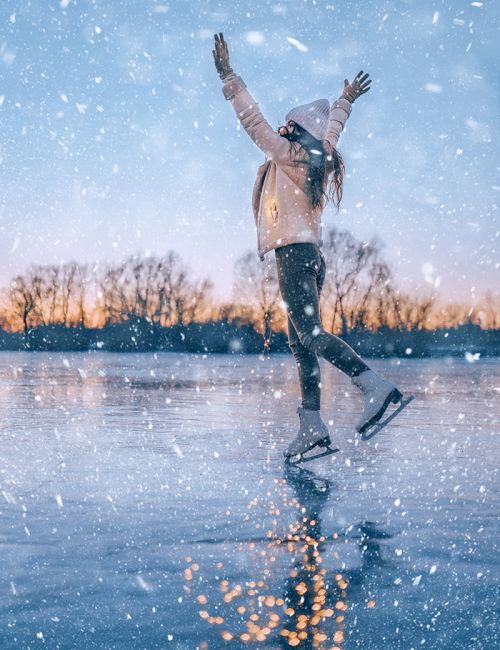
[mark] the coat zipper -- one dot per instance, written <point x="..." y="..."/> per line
<point x="261" y="257"/>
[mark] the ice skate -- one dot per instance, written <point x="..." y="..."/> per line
<point x="313" y="432"/>
<point x="378" y="394"/>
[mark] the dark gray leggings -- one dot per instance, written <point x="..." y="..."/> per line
<point x="301" y="273"/>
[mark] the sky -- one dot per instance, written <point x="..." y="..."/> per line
<point x="116" y="138"/>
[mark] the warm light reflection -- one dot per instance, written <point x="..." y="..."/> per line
<point x="311" y="611"/>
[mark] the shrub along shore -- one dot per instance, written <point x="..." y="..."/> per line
<point x="223" y="336"/>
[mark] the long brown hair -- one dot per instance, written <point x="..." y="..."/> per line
<point x="323" y="171"/>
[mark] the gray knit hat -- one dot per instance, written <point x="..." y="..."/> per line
<point x="312" y="117"/>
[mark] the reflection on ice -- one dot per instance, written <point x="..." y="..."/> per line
<point x="310" y="608"/>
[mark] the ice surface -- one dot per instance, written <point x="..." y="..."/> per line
<point x="144" y="505"/>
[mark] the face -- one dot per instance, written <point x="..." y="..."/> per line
<point x="288" y="131"/>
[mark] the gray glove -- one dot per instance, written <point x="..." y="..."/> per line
<point x="357" y="88"/>
<point x="221" y="56"/>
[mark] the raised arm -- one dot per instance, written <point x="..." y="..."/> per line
<point x="341" y="108"/>
<point x="339" y="112"/>
<point x="245" y="106"/>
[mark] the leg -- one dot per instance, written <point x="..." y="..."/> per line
<point x="377" y="392"/>
<point x="307" y="361"/>
<point x="308" y="368"/>
<point x="300" y="266"/>
<point x="313" y="432"/>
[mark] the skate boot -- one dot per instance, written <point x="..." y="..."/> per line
<point x="312" y="432"/>
<point x="378" y="393"/>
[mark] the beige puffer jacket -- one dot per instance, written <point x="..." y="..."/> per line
<point x="282" y="210"/>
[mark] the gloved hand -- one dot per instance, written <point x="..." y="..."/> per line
<point x="357" y="87"/>
<point x="221" y="56"/>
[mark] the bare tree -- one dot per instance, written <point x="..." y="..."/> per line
<point x="22" y="301"/>
<point x="357" y="278"/>
<point x="112" y="295"/>
<point x="452" y="314"/>
<point x="410" y="312"/>
<point x="159" y="289"/>
<point x="256" y="286"/>
<point x="5" y="316"/>
<point x="49" y="295"/>
<point x="81" y="284"/>
<point x="489" y="311"/>
<point x="174" y="290"/>
<point x="144" y="278"/>
<point x="167" y="272"/>
<point x="198" y="307"/>
<point x="67" y="289"/>
<point x="232" y="313"/>
<point x="49" y="291"/>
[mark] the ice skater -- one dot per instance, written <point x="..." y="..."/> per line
<point x="302" y="171"/>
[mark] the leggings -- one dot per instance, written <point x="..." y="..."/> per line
<point x="301" y="272"/>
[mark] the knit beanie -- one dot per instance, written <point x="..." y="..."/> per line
<point x="312" y="117"/>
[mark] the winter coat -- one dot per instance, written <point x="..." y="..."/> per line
<point x="282" y="210"/>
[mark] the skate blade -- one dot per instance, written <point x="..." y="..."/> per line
<point x="374" y="429"/>
<point x="300" y="458"/>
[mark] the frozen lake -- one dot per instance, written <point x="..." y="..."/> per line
<point x="144" y="504"/>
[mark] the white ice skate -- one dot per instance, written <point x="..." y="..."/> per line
<point x="378" y="393"/>
<point x="313" y="432"/>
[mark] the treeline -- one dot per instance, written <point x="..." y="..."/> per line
<point x="151" y="302"/>
<point x="81" y="295"/>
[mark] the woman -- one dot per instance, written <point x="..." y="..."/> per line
<point x="303" y="170"/>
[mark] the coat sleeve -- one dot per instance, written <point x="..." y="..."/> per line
<point x="252" y="119"/>
<point x="339" y="112"/>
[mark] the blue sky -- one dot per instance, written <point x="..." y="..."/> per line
<point x="116" y="137"/>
